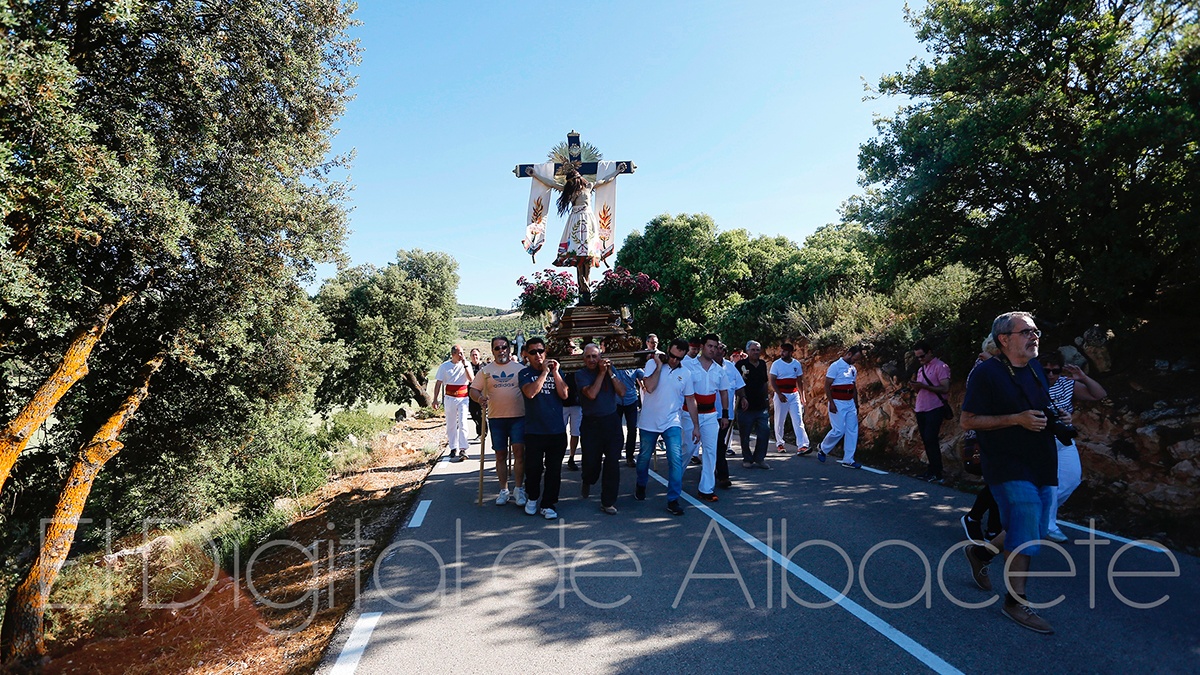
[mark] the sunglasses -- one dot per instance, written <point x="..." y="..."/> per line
<point x="673" y="356"/>
<point x="537" y="352"/>
<point x="499" y="349"/>
<point x="1054" y="371"/>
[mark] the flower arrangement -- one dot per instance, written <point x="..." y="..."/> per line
<point x="622" y="287"/>
<point x="548" y="291"/>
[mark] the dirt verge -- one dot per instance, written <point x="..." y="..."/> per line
<point x="278" y="610"/>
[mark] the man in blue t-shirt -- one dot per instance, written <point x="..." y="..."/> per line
<point x="545" y="432"/>
<point x="600" y="433"/>
<point x="627" y="408"/>
<point x="1004" y="402"/>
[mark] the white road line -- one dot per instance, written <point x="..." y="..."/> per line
<point x="418" y="516"/>
<point x="917" y="650"/>
<point x="347" y="661"/>
<point x="876" y="471"/>
<point x="1141" y="543"/>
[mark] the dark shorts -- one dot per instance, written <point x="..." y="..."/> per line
<point x="506" y="431"/>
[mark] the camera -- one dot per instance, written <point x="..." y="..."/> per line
<point x="1064" y="432"/>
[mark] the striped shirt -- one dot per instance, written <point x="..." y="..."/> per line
<point x="1062" y="393"/>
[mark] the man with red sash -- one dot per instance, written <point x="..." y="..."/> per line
<point x="789" y="398"/>
<point x="842" y="390"/>
<point x="455" y="376"/>
<point x="709" y="382"/>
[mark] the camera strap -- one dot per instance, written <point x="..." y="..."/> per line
<point x="1036" y="376"/>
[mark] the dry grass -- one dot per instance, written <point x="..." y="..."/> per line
<point x="219" y="626"/>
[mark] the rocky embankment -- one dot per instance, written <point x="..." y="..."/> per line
<point x="1139" y="447"/>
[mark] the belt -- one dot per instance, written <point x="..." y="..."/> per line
<point x="787" y="386"/>
<point x="457" y="390"/>
<point x="842" y="392"/>
<point x="706" y="403"/>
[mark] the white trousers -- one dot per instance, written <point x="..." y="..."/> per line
<point x="845" y="425"/>
<point x="710" y="425"/>
<point x="790" y="409"/>
<point x="1070" y="474"/>
<point x="456" y="421"/>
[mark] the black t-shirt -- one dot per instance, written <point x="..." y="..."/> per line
<point x="572" y="391"/>
<point x="1012" y="453"/>
<point x="756" y="383"/>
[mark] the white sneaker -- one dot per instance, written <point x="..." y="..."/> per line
<point x="521" y="498"/>
<point x="502" y="498"/>
<point x="530" y="505"/>
<point x="1056" y="536"/>
<point x="549" y="514"/>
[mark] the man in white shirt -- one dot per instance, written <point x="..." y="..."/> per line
<point x="727" y="413"/>
<point x="710" y="384"/>
<point x="455" y="377"/>
<point x="842" y="391"/>
<point x="786" y="382"/>
<point x="668" y="398"/>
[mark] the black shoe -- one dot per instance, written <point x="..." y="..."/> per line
<point x="696" y="460"/>
<point x="572" y="466"/>
<point x="674" y="508"/>
<point x="585" y="490"/>
<point x="925" y="476"/>
<point x="725" y="484"/>
<point x="973" y="528"/>
<point x="630" y="462"/>
<point x="639" y="493"/>
<point x="706" y="496"/>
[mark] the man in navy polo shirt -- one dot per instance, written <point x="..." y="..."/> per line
<point x="1006" y="396"/>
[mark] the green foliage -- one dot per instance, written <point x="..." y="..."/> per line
<point x="477" y="310"/>
<point x="395" y="323"/>
<point x="486" y="329"/>
<point x="926" y="308"/>
<point x="1051" y="147"/>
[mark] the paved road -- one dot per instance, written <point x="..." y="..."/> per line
<point x="485" y="590"/>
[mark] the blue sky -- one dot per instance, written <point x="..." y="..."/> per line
<point x="751" y="113"/>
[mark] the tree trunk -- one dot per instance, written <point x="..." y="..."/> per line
<point x="21" y="637"/>
<point x="15" y="435"/>
<point x="417" y="387"/>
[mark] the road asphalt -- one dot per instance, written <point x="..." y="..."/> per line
<point x="807" y="567"/>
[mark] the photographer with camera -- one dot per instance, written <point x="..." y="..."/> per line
<point x="1008" y="405"/>
<point x="1067" y="383"/>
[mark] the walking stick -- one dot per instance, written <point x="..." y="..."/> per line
<point x="482" y="451"/>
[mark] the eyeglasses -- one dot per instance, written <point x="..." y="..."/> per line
<point x="536" y="352"/>
<point x="920" y="357"/>
<point x="1054" y="371"/>
<point x="1028" y="333"/>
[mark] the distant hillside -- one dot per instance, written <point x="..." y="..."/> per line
<point x="477" y="310"/>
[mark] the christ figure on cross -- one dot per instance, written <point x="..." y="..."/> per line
<point x="587" y="238"/>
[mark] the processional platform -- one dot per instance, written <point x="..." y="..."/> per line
<point x="601" y="325"/>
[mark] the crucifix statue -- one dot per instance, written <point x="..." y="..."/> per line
<point x="587" y="238"/>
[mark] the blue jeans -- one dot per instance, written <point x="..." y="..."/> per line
<point x="754" y="421"/>
<point x="673" y="438"/>
<point x="1025" y="512"/>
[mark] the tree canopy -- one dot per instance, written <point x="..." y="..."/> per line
<point x="1051" y="144"/>
<point x="396" y="324"/>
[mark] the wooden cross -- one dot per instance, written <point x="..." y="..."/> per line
<point x="574" y="152"/>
